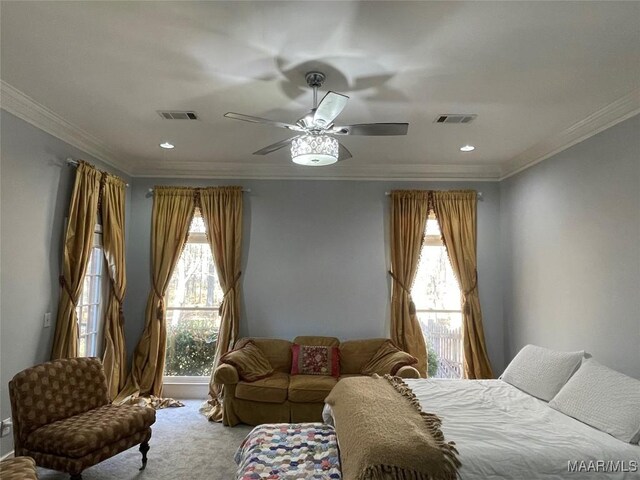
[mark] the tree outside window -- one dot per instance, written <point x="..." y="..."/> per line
<point x="193" y="298"/>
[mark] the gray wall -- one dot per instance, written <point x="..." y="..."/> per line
<point x="571" y="250"/>
<point x="315" y="258"/>
<point x="35" y="187"/>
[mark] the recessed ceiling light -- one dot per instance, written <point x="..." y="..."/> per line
<point x="467" y="148"/>
<point x="167" y="145"/>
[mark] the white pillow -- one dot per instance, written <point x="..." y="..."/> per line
<point x="541" y="372"/>
<point x="603" y="398"/>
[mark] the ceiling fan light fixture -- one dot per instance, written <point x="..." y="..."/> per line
<point x="314" y="150"/>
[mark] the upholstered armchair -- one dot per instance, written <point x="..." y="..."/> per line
<point x="64" y="420"/>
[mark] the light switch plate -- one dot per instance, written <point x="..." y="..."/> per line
<point x="47" y="320"/>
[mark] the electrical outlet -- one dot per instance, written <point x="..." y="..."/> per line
<point x="47" y="320"/>
<point x="6" y="427"/>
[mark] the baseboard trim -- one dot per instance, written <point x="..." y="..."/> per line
<point x="186" y="390"/>
<point x="7" y="455"/>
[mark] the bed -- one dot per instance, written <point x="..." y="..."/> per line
<point x="501" y="432"/>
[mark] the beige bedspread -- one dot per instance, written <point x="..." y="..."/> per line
<point x="384" y="435"/>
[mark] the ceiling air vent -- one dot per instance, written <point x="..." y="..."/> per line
<point x="455" y="118"/>
<point x="177" y="115"/>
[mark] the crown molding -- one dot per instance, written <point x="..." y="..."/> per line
<point x="339" y="171"/>
<point x="606" y="117"/>
<point x="22" y="106"/>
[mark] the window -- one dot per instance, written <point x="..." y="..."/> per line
<point x="436" y="295"/>
<point x="193" y="299"/>
<point x="90" y="306"/>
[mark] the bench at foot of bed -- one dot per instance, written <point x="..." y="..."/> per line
<point x="289" y="450"/>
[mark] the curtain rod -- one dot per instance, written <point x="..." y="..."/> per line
<point x="244" y="189"/>
<point x="74" y="163"/>
<point x="479" y="194"/>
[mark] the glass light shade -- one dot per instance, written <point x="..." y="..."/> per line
<point x="314" y="150"/>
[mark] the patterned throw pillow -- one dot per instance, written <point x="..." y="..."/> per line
<point x="315" y="360"/>
<point x="250" y="362"/>
<point x="388" y="360"/>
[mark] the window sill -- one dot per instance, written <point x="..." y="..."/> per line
<point x="186" y="387"/>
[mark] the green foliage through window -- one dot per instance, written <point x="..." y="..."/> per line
<point x="190" y="350"/>
<point x="432" y="361"/>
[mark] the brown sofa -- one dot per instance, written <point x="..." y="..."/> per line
<point x="282" y="397"/>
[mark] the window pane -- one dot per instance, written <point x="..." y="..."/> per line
<point x="443" y="334"/>
<point x="91" y="345"/>
<point x="191" y="330"/>
<point x="96" y="260"/>
<point x="92" y="319"/>
<point x="436" y="288"/>
<point x="82" y="346"/>
<point x="82" y="321"/>
<point x="86" y="290"/>
<point x="194" y="281"/>
<point x="197" y="224"/>
<point x="89" y="304"/>
<point x="435" y="285"/>
<point x="191" y="342"/>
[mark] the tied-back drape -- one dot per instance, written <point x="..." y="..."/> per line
<point x="173" y="209"/>
<point x="409" y="210"/>
<point x="221" y="209"/>
<point x="456" y="215"/>
<point x="114" y="352"/>
<point x="78" y="242"/>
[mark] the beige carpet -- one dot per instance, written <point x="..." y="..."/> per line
<point x="184" y="445"/>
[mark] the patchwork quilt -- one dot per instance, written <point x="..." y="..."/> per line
<point x="289" y="451"/>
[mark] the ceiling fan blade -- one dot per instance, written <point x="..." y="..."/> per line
<point x="275" y="146"/>
<point x="343" y="152"/>
<point x="329" y="108"/>
<point x="372" y="129"/>
<point x="249" y="118"/>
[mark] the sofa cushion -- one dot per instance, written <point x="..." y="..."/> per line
<point x="310" y="388"/>
<point x="277" y="351"/>
<point x="354" y="354"/>
<point x="272" y="389"/>
<point x="315" y="360"/>
<point x="315" y="340"/>
<point x="250" y="362"/>
<point x="87" y="432"/>
<point x="388" y="360"/>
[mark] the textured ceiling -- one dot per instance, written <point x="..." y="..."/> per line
<point x="530" y="70"/>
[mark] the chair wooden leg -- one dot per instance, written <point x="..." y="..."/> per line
<point x="144" y="448"/>
<point x="76" y="476"/>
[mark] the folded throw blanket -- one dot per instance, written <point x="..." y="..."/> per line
<point x="384" y="435"/>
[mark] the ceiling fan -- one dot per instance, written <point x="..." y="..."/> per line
<point x="315" y="145"/>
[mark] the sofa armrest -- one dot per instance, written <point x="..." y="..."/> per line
<point x="408" y="372"/>
<point x="226" y="374"/>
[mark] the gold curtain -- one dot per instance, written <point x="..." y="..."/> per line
<point x="409" y="211"/>
<point x="173" y="209"/>
<point x="221" y="209"/>
<point x="114" y="354"/>
<point x="456" y="214"/>
<point x="78" y="242"/>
